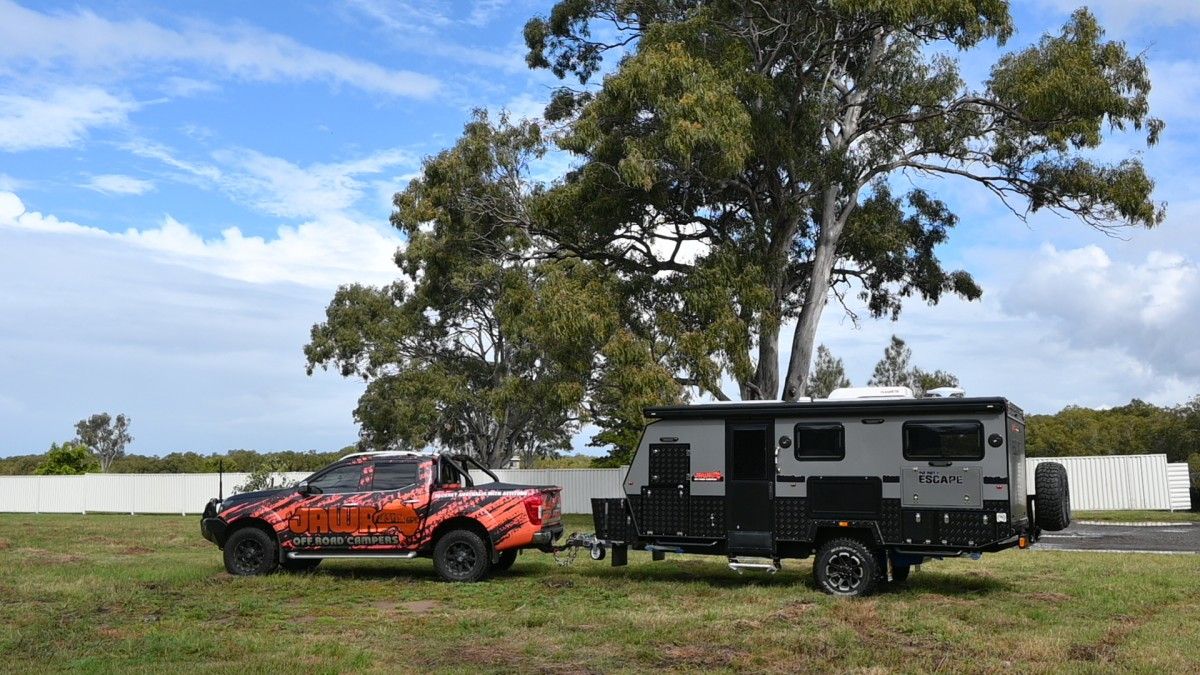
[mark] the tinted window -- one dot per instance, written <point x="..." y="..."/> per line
<point x="394" y="475"/>
<point x="943" y="440"/>
<point x="749" y="454"/>
<point x="820" y="441"/>
<point x="342" y="479"/>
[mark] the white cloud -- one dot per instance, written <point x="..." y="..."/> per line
<point x="282" y="188"/>
<point x="200" y="362"/>
<point x="322" y="253"/>
<point x="60" y="119"/>
<point x="186" y="87"/>
<point x="1124" y="14"/>
<point x="89" y="41"/>
<point x="420" y="28"/>
<point x="116" y="184"/>
<point x="10" y="184"/>
<point x="1175" y="95"/>
<point x="1148" y="310"/>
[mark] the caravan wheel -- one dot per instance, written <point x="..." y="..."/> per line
<point x="846" y="567"/>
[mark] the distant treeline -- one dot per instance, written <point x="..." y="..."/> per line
<point x="1134" y="429"/>
<point x="192" y="462"/>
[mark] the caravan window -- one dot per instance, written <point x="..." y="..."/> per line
<point x="943" y="440"/>
<point x="820" y="442"/>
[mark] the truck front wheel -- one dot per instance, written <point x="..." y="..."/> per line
<point x="250" y="552"/>
<point x="462" y="555"/>
<point x="846" y="567"/>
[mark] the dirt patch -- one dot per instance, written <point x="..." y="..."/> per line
<point x="699" y="657"/>
<point x="4" y="544"/>
<point x="1105" y="651"/>
<point x="50" y="557"/>
<point x="136" y="550"/>
<point x="1049" y="596"/>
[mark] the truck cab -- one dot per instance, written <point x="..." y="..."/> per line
<point x="396" y="505"/>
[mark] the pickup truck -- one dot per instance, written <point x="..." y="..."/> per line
<point x="396" y="505"/>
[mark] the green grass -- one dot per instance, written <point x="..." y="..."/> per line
<point x="1138" y="516"/>
<point x="146" y="593"/>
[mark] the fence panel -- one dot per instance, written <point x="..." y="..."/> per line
<point x="1101" y="483"/>
<point x="1116" y="482"/>
<point x="1179" y="484"/>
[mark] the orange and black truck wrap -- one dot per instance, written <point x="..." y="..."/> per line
<point x="386" y="505"/>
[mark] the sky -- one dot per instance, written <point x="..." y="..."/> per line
<point x="184" y="185"/>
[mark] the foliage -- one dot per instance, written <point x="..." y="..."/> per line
<point x="896" y="370"/>
<point x="482" y="348"/>
<point x="68" y="459"/>
<point x="105" y="436"/>
<point x="923" y="381"/>
<point x="576" y="461"/>
<point x="829" y="373"/>
<point x="1132" y="429"/>
<point x="737" y="164"/>
<point x="267" y="476"/>
<point x="191" y="462"/>
<point x="629" y="380"/>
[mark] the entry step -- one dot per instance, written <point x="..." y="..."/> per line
<point x="743" y="564"/>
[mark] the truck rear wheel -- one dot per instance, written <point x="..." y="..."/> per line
<point x="846" y="567"/>
<point x="250" y="552"/>
<point x="462" y="555"/>
<point x="1052" y="508"/>
<point x="505" y="560"/>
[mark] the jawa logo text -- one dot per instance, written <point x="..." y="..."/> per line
<point x="354" y="519"/>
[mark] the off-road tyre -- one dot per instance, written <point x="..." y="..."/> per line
<point x="846" y="567"/>
<point x="463" y="556"/>
<point x="299" y="565"/>
<point x="505" y="560"/>
<point x="250" y="552"/>
<point x="1052" y="508"/>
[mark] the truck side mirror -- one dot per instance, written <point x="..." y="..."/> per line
<point x="305" y="489"/>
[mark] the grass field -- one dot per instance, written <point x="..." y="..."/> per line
<point x="146" y="593"/>
<point x="1139" y="516"/>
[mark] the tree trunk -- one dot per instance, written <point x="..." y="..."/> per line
<point x="803" y="339"/>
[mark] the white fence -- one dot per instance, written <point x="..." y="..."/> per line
<point x="1119" y="482"/>
<point x="1097" y="483"/>
<point x="185" y="493"/>
<point x="1179" y="484"/>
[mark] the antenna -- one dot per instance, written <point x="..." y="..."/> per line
<point x="221" y="479"/>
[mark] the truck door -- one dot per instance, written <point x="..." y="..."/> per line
<point x="324" y="517"/>
<point x="750" y="464"/>
<point x="401" y="496"/>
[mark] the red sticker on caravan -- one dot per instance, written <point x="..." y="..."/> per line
<point x="708" y="476"/>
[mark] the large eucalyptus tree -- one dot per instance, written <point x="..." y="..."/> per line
<point x="741" y="163"/>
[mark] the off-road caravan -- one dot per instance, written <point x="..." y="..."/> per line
<point x="868" y="485"/>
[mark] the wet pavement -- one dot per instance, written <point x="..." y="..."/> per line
<point x="1165" y="538"/>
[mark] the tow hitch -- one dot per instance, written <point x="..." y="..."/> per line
<point x="597" y="549"/>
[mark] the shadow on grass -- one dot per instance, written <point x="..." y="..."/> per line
<point x="687" y="572"/>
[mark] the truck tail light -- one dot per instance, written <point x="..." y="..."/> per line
<point x="533" y="508"/>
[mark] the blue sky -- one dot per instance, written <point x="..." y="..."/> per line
<point x="183" y="186"/>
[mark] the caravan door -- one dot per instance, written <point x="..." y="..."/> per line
<point x="750" y="467"/>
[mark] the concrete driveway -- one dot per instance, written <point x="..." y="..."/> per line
<point x="1166" y="538"/>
